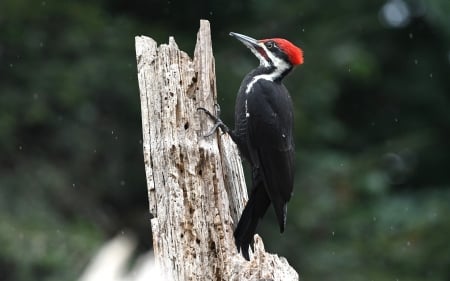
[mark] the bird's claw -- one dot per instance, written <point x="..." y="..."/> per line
<point x="218" y="123"/>
<point x="212" y="116"/>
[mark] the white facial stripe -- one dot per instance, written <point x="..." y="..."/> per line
<point x="279" y="64"/>
<point x="262" y="60"/>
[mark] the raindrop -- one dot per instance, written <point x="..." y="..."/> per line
<point x="20" y="147"/>
<point x="303" y="30"/>
<point x="35" y="96"/>
<point x="122" y="183"/>
<point x="41" y="44"/>
<point x="411" y="35"/>
<point x="396" y="120"/>
<point x="43" y="3"/>
<point x="349" y="69"/>
<point x="73" y="185"/>
<point x="431" y="75"/>
<point x="374" y="218"/>
<point x="112" y="132"/>
<point x="11" y="65"/>
<point x="408" y="243"/>
<point x="332" y="233"/>
<point x="416" y="61"/>
<point x="210" y="13"/>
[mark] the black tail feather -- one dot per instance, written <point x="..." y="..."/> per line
<point x="254" y="210"/>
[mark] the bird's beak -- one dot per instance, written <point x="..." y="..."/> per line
<point x="246" y="40"/>
<point x="254" y="46"/>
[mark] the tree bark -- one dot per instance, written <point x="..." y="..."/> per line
<point x="196" y="185"/>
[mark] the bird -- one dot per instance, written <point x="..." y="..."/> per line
<point x="263" y="133"/>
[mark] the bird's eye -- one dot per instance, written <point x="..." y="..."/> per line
<point x="269" y="44"/>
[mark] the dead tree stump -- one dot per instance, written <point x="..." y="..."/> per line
<point x="196" y="185"/>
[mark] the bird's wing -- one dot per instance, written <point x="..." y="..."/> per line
<point x="271" y="145"/>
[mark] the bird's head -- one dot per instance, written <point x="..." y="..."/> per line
<point x="275" y="52"/>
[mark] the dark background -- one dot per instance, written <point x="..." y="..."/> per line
<point x="372" y="115"/>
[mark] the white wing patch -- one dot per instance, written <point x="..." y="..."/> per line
<point x="247" y="114"/>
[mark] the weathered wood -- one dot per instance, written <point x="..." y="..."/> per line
<point x="196" y="185"/>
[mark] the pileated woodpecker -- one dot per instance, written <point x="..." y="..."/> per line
<point x="263" y="133"/>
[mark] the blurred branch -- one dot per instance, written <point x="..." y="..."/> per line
<point x="112" y="260"/>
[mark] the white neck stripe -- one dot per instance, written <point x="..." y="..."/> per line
<point x="278" y="64"/>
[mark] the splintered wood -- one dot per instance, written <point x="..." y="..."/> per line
<point x="196" y="185"/>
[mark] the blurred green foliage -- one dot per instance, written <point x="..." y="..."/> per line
<point x="372" y="104"/>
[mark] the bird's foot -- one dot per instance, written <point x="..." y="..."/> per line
<point x="243" y="249"/>
<point x="218" y="123"/>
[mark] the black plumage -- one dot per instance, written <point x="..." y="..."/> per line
<point x="263" y="133"/>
